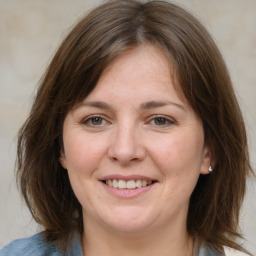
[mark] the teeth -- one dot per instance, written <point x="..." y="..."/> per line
<point x="144" y="183"/>
<point x="115" y="183"/>
<point x="121" y="184"/>
<point x="138" y="183"/>
<point x="110" y="183"/>
<point x="130" y="184"/>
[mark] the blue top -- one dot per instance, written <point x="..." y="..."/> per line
<point x="36" y="246"/>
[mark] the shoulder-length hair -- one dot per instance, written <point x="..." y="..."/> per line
<point x="203" y="79"/>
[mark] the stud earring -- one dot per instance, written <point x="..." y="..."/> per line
<point x="210" y="168"/>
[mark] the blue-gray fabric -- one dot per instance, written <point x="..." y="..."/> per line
<point x="36" y="246"/>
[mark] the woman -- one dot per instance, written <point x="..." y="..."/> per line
<point x="135" y="144"/>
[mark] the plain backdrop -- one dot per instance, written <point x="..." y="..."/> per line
<point x="30" y="32"/>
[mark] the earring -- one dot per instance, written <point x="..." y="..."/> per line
<point x="210" y="168"/>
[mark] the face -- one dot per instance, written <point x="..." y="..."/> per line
<point x="133" y="149"/>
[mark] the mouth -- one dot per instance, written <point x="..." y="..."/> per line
<point x="128" y="184"/>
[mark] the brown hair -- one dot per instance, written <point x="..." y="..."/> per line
<point x="106" y="32"/>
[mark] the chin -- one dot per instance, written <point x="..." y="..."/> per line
<point x="129" y="222"/>
<point x="129" y="228"/>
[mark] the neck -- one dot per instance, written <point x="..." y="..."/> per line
<point x="101" y="241"/>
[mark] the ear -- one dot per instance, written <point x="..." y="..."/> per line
<point x="207" y="160"/>
<point x="62" y="159"/>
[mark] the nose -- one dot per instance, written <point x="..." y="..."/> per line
<point x="126" y="146"/>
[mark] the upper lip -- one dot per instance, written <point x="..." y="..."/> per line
<point x="126" y="177"/>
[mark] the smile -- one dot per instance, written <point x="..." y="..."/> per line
<point x="129" y="184"/>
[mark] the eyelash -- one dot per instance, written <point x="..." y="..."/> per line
<point x="88" y="121"/>
<point x="167" y="121"/>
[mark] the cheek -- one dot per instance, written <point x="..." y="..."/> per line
<point x="179" y="156"/>
<point x="83" y="156"/>
<point x="82" y="153"/>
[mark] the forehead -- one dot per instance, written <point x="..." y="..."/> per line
<point x="143" y="68"/>
<point x="139" y="59"/>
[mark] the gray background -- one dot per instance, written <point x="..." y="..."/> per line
<point x="30" y="32"/>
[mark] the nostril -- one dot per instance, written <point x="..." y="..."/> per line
<point x="125" y="149"/>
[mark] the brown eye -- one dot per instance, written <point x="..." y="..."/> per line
<point x="94" y="121"/>
<point x="160" y="121"/>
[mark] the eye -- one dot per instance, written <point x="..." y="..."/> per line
<point x="161" y="121"/>
<point x="94" y="121"/>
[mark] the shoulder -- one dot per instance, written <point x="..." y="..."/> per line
<point x="34" y="245"/>
<point x="207" y="250"/>
<point x="232" y="252"/>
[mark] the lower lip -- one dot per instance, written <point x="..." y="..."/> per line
<point x="128" y="193"/>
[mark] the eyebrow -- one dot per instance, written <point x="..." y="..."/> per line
<point x="96" y="104"/>
<point x="158" y="104"/>
<point x="143" y="106"/>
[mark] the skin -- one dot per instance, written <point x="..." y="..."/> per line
<point x="141" y="127"/>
